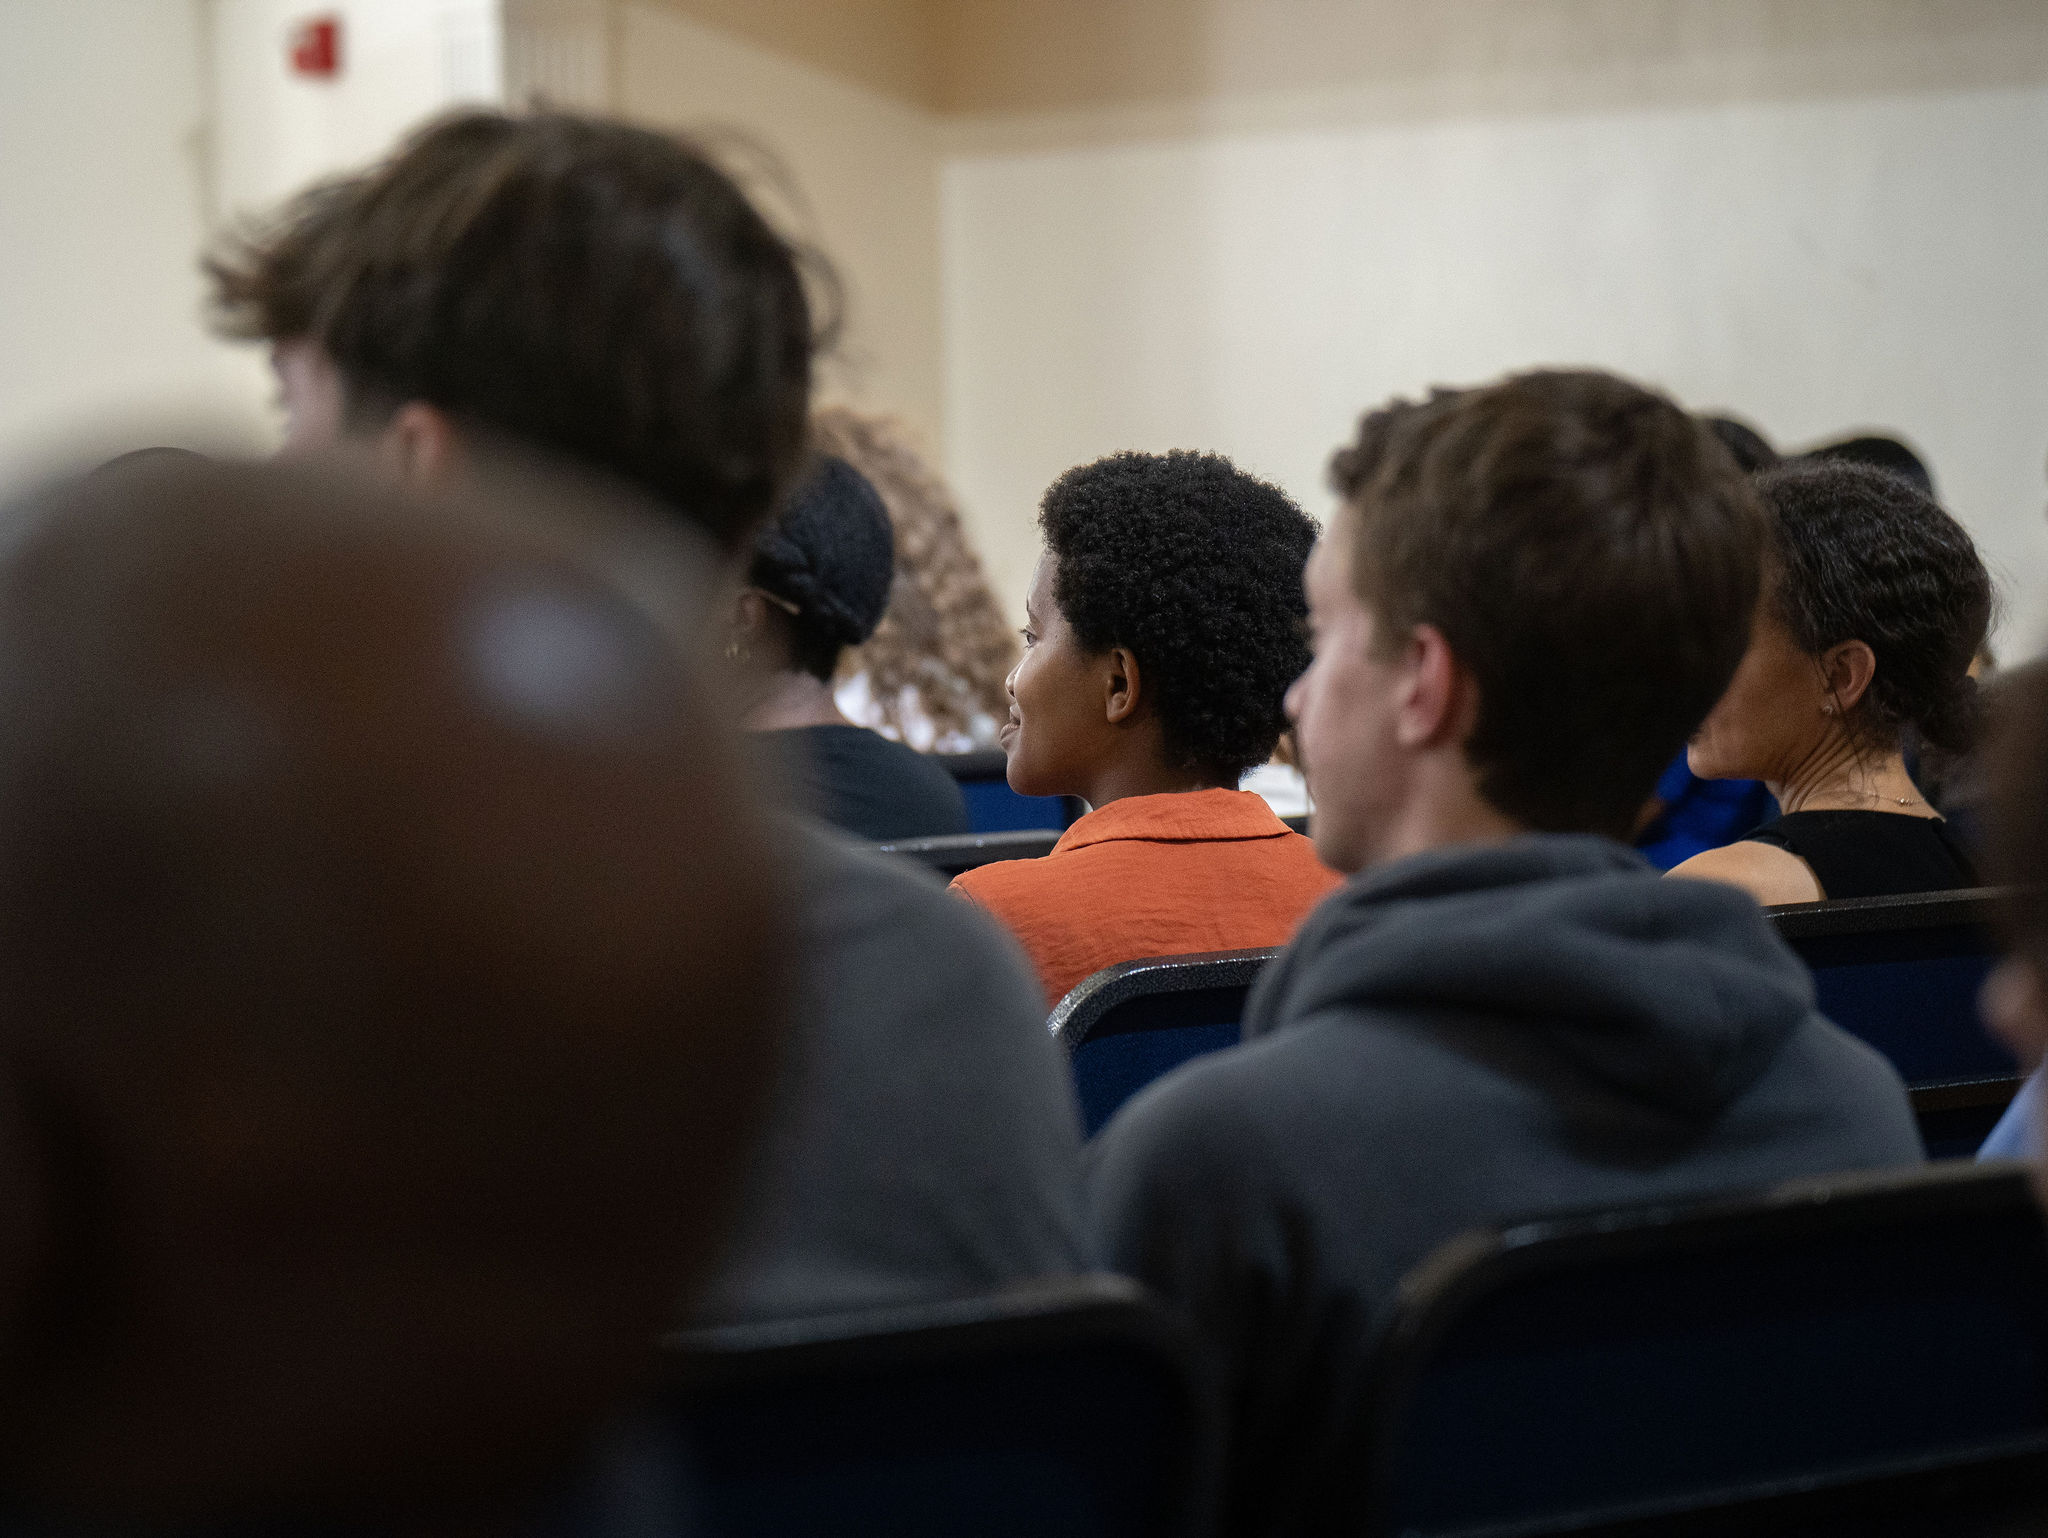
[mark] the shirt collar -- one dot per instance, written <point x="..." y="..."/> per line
<point x="1177" y="817"/>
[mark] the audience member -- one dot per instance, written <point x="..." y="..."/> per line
<point x="605" y="293"/>
<point x="1162" y="629"/>
<point x="818" y="584"/>
<point x="386" y="988"/>
<point x="1533" y="591"/>
<point x="2015" y="811"/>
<point x="1875" y="605"/>
<point x="932" y="673"/>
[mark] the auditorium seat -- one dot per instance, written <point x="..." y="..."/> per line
<point x="1903" y="973"/>
<point x="1068" y="1409"/>
<point x="1850" y="1356"/>
<point x="1128" y="1024"/>
<point x="992" y="807"/>
<point x="951" y="853"/>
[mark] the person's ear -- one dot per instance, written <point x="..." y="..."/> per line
<point x="420" y="446"/>
<point x="1847" y="669"/>
<point x="1122" y="686"/>
<point x="745" y="627"/>
<point x="2014" y="1006"/>
<point x="1439" y="699"/>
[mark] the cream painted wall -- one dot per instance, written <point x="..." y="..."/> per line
<point x="1251" y="280"/>
<point x="402" y="62"/>
<point x="864" y="170"/>
<point x="103" y="180"/>
<point x="128" y="130"/>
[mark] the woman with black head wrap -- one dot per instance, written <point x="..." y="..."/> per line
<point x="819" y="583"/>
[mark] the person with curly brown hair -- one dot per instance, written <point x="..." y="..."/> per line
<point x="1163" y="628"/>
<point x="1876" y="603"/>
<point x="932" y="673"/>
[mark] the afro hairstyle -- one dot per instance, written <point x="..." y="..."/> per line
<point x="1195" y="567"/>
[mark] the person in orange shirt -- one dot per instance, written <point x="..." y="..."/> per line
<point x="1162" y="629"/>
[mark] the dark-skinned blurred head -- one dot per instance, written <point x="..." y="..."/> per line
<point x="380" y="1038"/>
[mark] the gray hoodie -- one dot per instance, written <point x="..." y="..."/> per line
<point x="925" y="1143"/>
<point x="1470" y="1035"/>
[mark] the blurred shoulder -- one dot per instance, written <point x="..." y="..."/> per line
<point x="890" y="911"/>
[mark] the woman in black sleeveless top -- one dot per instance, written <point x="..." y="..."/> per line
<point x="820" y="581"/>
<point x="1875" y="605"/>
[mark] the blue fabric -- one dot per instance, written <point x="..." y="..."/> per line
<point x="2015" y="1135"/>
<point x="1701" y="814"/>
<point x="992" y="807"/>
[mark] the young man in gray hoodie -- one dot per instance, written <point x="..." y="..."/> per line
<point x="1531" y="596"/>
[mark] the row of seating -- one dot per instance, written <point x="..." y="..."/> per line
<point x="1902" y="973"/>
<point x="1864" y="1355"/>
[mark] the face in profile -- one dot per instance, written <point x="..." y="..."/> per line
<point x="1766" y="721"/>
<point x="1056" y="704"/>
<point x="1342" y="708"/>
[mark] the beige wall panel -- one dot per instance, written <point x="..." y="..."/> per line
<point x="1818" y="265"/>
<point x="890" y="46"/>
<point x="864" y="166"/>
<point x="1047" y="56"/>
<point x="107" y="187"/>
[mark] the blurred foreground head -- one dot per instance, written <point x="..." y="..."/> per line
<point x="380" y="942"/>
<point x="600" y="291"/>
<point x="2015" y="999"/>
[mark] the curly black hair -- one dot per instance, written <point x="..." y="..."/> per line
<point x="1196" y="568"/>
<point x="1863" y="555"/>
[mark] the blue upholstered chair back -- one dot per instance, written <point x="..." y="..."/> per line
<point x="1130" y="1023"/>
<point x="1864" y="1336"/>
<point x="1903" y="973"/>
<point x="992" y="807"/>
<point x="1068" y="1410"/>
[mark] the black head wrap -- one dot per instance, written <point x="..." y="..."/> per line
<point x="830" y="553"/>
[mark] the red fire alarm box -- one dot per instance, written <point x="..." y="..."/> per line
<point x="315" y="47"/>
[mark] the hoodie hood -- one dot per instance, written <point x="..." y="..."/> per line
<point x="1673" y="993"/>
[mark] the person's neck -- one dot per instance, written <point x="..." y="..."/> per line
<point x="1430" y="824"/>
<point x="792" y="700"/>
<point x="1435" y="804"/>
<point x="1834" y="776"/>
<point x="1119" y="781"/>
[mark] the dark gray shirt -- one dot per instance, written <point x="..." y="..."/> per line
<point x="1456" y="1039"/>
<point x="925" y="1142"/>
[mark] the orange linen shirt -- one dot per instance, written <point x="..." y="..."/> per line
<point x="1200" y="870"/>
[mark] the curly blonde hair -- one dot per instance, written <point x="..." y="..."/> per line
<point x="944" y="638"/>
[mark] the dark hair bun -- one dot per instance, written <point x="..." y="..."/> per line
<point x="1955" y="719"/>
<point x="830" y="552"/>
